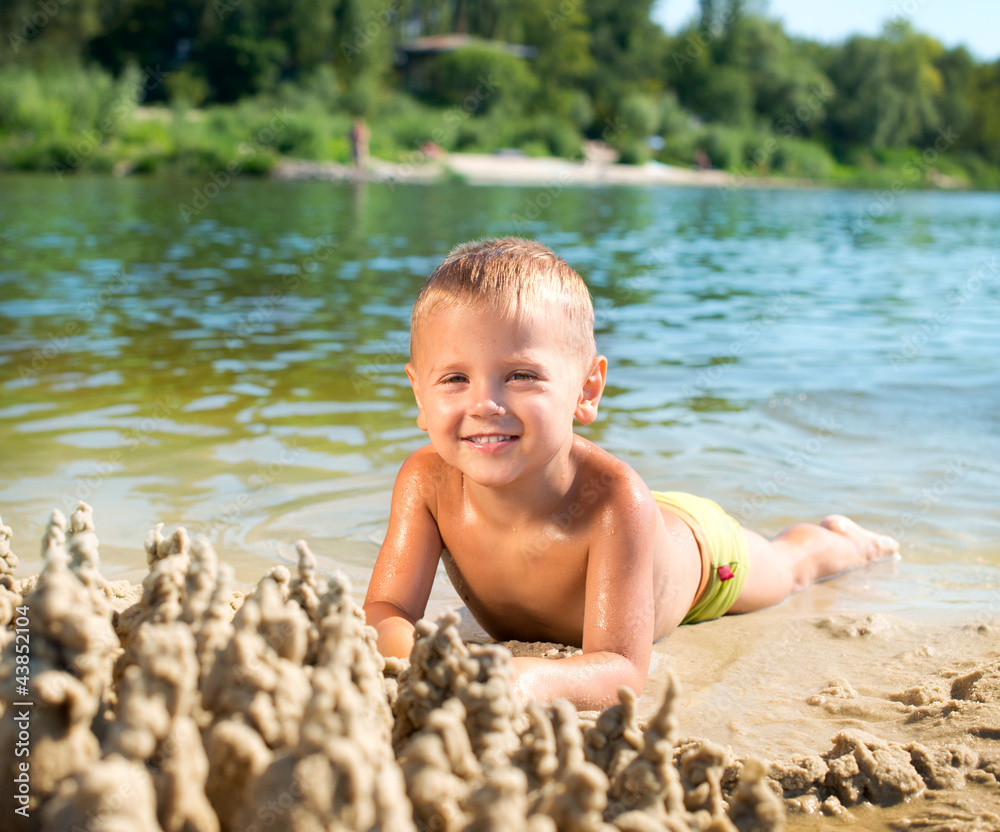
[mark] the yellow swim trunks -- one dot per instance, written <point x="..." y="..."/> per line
<point x="725" y="552"/>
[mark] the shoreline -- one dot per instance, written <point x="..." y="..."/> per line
<point x="551" y="172"/>
<point x="554" y="173"/>
<point x="513" y="169"/>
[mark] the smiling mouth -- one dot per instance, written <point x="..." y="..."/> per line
<point x="489" y="440"/>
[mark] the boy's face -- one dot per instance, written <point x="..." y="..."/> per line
<point x="498" y="397"/>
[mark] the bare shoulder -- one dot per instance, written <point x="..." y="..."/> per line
<point x="422" y="462"/>
<point x="610" y="487"/>
<point x="426" y="475"/>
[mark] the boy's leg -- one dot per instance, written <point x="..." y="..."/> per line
<point x="804" y="554"/>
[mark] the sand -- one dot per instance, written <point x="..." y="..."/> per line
<point x="550" y="173"/>
<point x="187" y="704"/>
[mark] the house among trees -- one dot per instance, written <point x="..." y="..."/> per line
<point x="418" y="58"/>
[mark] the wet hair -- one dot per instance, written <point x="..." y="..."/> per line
<point x="512" y="278"/>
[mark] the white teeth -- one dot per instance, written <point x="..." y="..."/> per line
<point x="487" y="440"/>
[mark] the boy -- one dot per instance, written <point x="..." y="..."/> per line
<point x="545" y="536"/>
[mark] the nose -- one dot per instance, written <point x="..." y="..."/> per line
<point x="487" y="401"/>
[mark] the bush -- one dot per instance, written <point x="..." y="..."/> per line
<point x="680" y="148"/>
<point x="61" y="103"/>
<point x="980" y="172"/>
<point x="579" y="109"/>
<point x="480" y="80"/>
<point x="61" y="118"/>
<point x="799" y="157"/>
<point x="320" y="88"/>
<point x="632" y="150"/>
<point x="186" y="89"/>
<point x="734" y="148"/>
<point x="147" y="144"/>
<point x="641" y="114"/>
<point x="482" y="135"/>
<point x="681" y="135"/>
<point x="413" y="129"/>
<point x="548" y="136"/>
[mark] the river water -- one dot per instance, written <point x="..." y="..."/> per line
<point x="234" y="364"/>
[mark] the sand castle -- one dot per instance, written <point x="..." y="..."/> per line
<point x="184" y="705"/>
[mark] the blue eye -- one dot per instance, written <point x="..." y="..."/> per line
<point x="521" y="375"/>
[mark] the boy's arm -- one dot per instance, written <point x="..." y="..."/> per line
<point x="619" y="616"/>
<point x="404" y="570"/>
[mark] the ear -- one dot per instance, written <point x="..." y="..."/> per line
<point x="593" y="388"/>
<point x="411" y="374"/>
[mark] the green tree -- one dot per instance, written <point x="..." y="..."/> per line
<point x="47" y="34"/>
<point x="564" y="64"/>
<point x="246" y="46"/>
<point x="627" y="49"/>
<point x="956" y="101"/>
<point x="887" y="89"/>
<point x="481" y="80"/>
<point x="148" y="33"/>
<point x="984" y="126"/>
<point x="787" y="87"/>
<point x="557" y="30"/>
<point x="740" y="69"/>
<point x="364" y="34"/>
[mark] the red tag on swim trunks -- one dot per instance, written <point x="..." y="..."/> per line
<point x="725" y="573"/>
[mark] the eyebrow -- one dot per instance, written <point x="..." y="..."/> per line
<point x="524" y="359"/>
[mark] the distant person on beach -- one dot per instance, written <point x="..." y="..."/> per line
<point x="359" y="135"/>
<point x="545" y="536"/>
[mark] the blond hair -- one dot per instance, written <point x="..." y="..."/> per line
<point x="510" y="277"/>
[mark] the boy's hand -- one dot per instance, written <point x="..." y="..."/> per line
<point x="590" y="682"/>
<point x="520" y="694"/>
<point x="395" y="632"/>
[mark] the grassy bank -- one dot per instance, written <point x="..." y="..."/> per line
<point x="86" y="120"/>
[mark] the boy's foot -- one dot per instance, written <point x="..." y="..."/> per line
<point x="870" y="545"/>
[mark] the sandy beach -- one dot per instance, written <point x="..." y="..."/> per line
<point x="186" y="702"/>
<point x="514" y="169"/>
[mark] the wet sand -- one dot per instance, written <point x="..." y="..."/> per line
<point x="227" y="709"/>
<point x="783" y="684"/>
